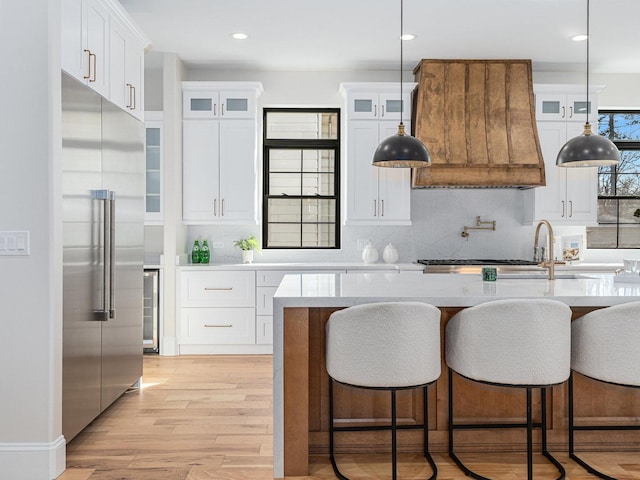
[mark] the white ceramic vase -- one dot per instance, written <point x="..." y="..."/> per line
<point x="369" y="254"/>
<point x="247" y="256"/>
<point x="390" y="254"/>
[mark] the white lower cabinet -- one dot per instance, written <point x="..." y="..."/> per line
<point x="231" y="311"/>
<point x="219" y="325"/>
<point x="217" y="312"/>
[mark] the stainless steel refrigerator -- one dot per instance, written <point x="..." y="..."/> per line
<point x="103" y="210"/>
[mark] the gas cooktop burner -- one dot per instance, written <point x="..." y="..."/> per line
<point x="467" y="261"/>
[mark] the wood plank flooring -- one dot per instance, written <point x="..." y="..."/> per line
<point x="209" y="417"/>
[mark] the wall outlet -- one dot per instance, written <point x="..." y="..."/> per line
<point x="217" y="245"/>
<point x="362" y="243"/>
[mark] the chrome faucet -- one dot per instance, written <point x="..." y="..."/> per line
<point x="550" y="263"/>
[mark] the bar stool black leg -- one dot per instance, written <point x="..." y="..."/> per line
<point x="394" y="453"/>
<point x="427" y="455"/>
<point x="529" y="437"/>
<point x="331" y="432"/>
<point x="452" y="454"/>
<point x="572" y="429"/>
<point x="545" y="452"/>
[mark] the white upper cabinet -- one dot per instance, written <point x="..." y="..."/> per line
<point x="219" y="103"/>
<point x="375" y="105"/>
<point x="101" y="47"/>
<point x="375" y="195"/>
<point x="570" y="196"/>
<point x="126" y="70"/>
<point x="566" y="103"/>
<point x="220" y="152"/>
<point x="85" y="42"/>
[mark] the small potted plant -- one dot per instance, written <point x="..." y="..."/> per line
<point x="248" y="245"/>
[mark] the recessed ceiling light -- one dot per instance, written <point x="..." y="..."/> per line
<point x="579" y="38"/>
<point x="407" y="36"/>
<point x="240" y="36"/>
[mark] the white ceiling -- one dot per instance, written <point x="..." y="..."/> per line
<point x="364" y="34"/>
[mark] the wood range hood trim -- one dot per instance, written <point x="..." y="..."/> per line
<point x="477" y="118"/>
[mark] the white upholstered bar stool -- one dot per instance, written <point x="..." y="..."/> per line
<point x="384" y="346"/>
<point x="605" y="346"/>
<point x="521" y="343"/>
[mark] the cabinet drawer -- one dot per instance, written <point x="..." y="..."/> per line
<point x="217" y="289"/>
<point x="264" y="330"/>
<point x="264" y="300"/>
<point x="218" y="325"/>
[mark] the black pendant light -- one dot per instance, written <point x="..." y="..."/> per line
<point x="588" y="149"/>
<point x="401" y="150"/>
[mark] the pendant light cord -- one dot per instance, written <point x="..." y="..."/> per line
<point x="401" y="58"/>
<point x="588" y="40"/>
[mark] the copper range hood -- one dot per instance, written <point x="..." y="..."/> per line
<point x="477" y="118"/>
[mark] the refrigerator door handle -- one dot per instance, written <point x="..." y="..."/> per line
<point x="102" y="314"/>
<point x="112" y="254"/>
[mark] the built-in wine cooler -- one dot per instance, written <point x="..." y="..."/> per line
<point x="151" y="312"/>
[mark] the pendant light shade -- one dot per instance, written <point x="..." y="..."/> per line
<point x="401" y="150"/>
<point x="588" y="149"/>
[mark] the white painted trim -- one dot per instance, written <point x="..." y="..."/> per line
<point x="190" y="349"/>
<point x="26" y="461"/>
<point x="169" y="347"/>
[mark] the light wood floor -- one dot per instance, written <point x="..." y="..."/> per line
<point x="202" y="418"/>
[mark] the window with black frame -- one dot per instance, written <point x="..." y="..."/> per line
<point x="619" y="185"/>
<point x="301" y="184"/>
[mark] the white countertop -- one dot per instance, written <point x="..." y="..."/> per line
<point x="305" y="266"/>
<point x="446" y="290"/>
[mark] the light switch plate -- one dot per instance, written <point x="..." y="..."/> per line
<point x="14" y="243"/>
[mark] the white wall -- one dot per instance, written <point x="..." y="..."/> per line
<point x="31" y="445"/>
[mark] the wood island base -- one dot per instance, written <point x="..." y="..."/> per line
<point x="306" y="404"/>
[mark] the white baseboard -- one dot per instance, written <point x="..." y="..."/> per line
<point x="28" y="461"/>
<point x="189" y="349"/>
<point x="169" y="347"/>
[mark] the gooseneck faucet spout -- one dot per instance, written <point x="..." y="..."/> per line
<point x="550" y="263"/>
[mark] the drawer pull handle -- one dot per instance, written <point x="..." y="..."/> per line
<point x="218" y="288"/>
<point x="218" y="326"/>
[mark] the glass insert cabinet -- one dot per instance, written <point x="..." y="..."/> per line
<point x="153" y="153"/>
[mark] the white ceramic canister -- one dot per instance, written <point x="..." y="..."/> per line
<point x="369" y="254"/>
<point x="390" y="254"/>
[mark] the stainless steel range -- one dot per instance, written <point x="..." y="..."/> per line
<point x="466" y="265"/>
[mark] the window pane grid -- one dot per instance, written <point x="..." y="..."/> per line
<point x="301" y="180"/>
<point x="619" y="185"/>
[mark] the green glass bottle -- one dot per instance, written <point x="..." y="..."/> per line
<point x="205" y="254"/>
<point x="195" y="253"/>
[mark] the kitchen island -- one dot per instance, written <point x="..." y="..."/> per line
<point x="303" y="304"/>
